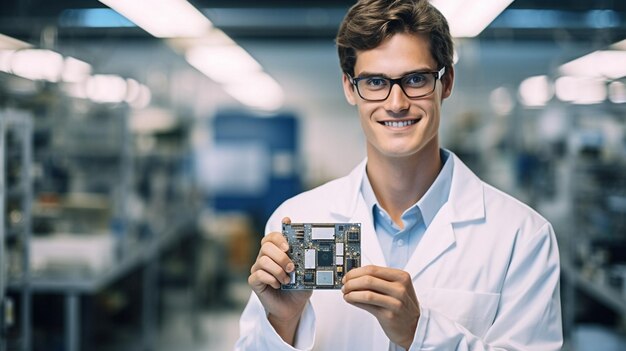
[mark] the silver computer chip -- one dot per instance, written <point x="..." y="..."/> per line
<point x="325" y="278"/>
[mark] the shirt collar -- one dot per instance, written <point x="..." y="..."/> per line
<point x="435" y="196"/>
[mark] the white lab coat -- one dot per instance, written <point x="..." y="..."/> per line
<point x="486" y="274"/>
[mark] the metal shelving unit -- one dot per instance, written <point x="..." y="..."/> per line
<point x="15" y="240"/>
<point x="608" y="296"/>
<point x="73" y="288"/>
<point x="85" y="170"/>
<point x="593" y="250"/>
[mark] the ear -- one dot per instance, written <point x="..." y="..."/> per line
<point x="348" y="89"/>
<point x="447" y="81"/>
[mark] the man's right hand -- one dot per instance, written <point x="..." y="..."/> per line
<point x="272" y="268"/>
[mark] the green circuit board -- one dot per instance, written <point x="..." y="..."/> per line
<point x="322" y="253"/>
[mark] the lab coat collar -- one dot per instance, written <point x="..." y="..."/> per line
<point x="346" y="206"/>
<point x="465" y="203"/>
<point x="467" y="199"/>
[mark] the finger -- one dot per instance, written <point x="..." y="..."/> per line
<point x="264" y="263"/>
<point x="260" y="279"/>
<point x="371" y="283"/>
<point x="371" y="298"/>
<point x="277" y="255"/>
<point x="384" y="273"/>
<point x="404" y="283"/>
<point x="369" y="308"/>
<point x="286" y="220"/>
<point x="278" y="239"/>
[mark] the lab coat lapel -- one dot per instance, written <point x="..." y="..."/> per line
<point x="465" y="203"/>
<point x="348" y="193"/>
<point x="352" y="208"/>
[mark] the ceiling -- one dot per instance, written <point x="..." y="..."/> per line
<point x="580" y="20"/>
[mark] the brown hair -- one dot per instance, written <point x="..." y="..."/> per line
<point x="369" y="22"/>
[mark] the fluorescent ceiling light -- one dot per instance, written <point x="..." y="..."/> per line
<point x="258" y="91"/>
<point x="535" y="91"/>
<point x="76" y="90"/>
<point x="132" y="90"/>
<point x="468" y="19"/>
<point x="5" y="60"/>
<point x="501" y="101"/>
<point x="37" y="64"/>
<point x="214" y="37"/>
<point x="75" y="70"/>
<point x="617" y="92"/>
<point x="144" y="98"/>
<point x="218" y="57"/>
<point x="8" y="43"/>
<point x="223" y="64"/>
<point x="606" y="63"/>
<point x="106" y="88"/>
<point x="581" y="90"/>
<point x="163" y="18"/>
<point x="111" y="89"/>
<point x="566" y="87"/>
<point x="138" y="95"/>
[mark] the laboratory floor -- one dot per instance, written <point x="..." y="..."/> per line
<point x="187" y="328"/>
<point x="216" y="330"/>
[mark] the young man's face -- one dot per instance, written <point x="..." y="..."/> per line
<point x="395" y="57"/>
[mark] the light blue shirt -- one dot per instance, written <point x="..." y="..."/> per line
<point x="399" y="244"/>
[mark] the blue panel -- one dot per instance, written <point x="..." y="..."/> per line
<point x="278" y="134"/>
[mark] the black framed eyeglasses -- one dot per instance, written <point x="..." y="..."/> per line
<point x="414" y="85"/>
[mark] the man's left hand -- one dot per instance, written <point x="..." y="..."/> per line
<point x="388" y="294"/>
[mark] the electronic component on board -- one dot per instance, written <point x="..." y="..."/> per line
<point x="322" y="253"/>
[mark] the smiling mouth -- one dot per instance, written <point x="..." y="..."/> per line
<point x="399" y="124"/>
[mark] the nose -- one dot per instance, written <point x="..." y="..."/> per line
<point x="397" y="101"/>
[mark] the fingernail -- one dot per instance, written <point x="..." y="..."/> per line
<point x="284" y="246"/>
<point x="290" y="267"/>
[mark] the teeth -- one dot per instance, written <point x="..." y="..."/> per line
<point x="399" y="124"/>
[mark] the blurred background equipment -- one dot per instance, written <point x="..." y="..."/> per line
<point x="141" y="157"/>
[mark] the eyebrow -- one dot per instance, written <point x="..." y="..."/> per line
<point x="366" y="74"/>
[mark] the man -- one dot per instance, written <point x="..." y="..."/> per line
<point x="449" y="262"/>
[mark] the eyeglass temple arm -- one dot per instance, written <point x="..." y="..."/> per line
<point x="441" y="72"/>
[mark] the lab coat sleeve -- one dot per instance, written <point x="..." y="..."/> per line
<point x="256" y="332"/>
<point x="529" y="311"/>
